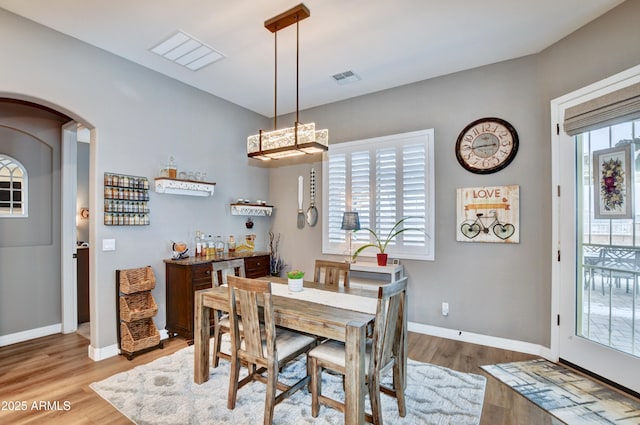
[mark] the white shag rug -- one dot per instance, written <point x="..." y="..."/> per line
<point x="163" y="393"/>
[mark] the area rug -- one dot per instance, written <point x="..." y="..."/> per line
<point x="567" y="395"/>
<point x="163" y="392"/>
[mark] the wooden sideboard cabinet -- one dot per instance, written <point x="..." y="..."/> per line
<point x="258" y="266"/>
<point x="184" y="278"/>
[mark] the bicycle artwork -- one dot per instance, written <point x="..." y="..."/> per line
<point x="488" y="214"/>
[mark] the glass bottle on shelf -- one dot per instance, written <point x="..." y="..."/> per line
<point x="231" y="245"/>
<point x="198" y="243"/>
<point x="219" y="246"/>
<point x="211" y="247"/>
<point x="171" y="168"/>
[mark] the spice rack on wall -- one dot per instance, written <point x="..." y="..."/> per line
<point x="126" y="200"/>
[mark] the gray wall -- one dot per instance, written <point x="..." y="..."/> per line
<point x="493" y="289"/>
<point x="140" y="118"/>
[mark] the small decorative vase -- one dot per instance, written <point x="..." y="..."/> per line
<point x="382" y="259"/>
<point x="295" y="285"/>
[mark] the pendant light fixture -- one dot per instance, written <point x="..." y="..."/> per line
<point x="300" y="139"/>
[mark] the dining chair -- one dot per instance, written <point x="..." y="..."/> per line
<point x="219" y="272"/>
<point x="383" y="351"/>
<point x="263" y="345"/>
<point x="330" y="272"/>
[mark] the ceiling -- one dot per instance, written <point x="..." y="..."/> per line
<point x="386" y="43"/>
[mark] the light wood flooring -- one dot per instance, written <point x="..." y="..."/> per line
<point x="57" y="369"/>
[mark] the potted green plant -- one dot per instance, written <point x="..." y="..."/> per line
<point x="382" y="242"/>
<point x="295" y="280"/>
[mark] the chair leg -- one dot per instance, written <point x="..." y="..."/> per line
<point x="270" y="398"/>
<point x="399" y="385"/>
<point x="315" y="384"/>
<point x="234" y="373"/>
<point x="374" y="397"/>
<point x="217" y="341"/>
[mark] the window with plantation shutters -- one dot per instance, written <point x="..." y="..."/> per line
<point x="384" y="179"/>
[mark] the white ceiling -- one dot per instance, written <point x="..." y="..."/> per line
<point x="387" y="43"/>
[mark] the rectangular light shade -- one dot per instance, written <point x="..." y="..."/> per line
<point x="282" y="143"/>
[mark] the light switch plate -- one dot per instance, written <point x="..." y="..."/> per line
<point x="108" y="244"/>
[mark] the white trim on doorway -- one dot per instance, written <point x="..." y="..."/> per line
<point x="564" y="343"/>
<point x="68" y="227"/>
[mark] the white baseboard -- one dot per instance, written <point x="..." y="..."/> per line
<point x="490" y="341"/>
<point x="30" y="334"/>
<point x="97" y="354"/>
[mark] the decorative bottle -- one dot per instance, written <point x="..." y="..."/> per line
<point x="171" y="168"/>
<point x="231" y="245"/>
<point x="198" y="243"/>
<point x="211" y="247"/>
<point x="219" y="246"/>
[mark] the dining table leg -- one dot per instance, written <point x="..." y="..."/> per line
<point x="201" y="340"/>
<point x="355" y="374"/>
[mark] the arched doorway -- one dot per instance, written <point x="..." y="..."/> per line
<point x="36" y="252"/>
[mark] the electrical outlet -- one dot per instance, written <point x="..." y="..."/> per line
<point x="445" y="309"/>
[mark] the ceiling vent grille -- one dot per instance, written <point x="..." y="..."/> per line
<point x="346" y="77"/>
<point x="187" y="51"/>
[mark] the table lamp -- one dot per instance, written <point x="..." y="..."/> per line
<point x="350" y="222"/>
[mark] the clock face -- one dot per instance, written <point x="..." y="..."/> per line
<point x="487" y="145"/>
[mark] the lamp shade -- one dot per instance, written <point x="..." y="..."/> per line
<point x="350" y="221"/>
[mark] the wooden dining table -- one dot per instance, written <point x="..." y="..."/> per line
<point x="337" y="323"/>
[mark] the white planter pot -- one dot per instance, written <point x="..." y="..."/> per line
<point x="295" y="285"/>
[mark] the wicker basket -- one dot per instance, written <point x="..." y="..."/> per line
<point x="138" y="335"/>
<point x="137" y="306"/>
<point x="137" y="280"/>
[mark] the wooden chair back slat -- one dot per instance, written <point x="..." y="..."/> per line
<point x="330" y="272"/>
<point x="388" y="326"/>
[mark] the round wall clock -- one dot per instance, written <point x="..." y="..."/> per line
<point x="487" y="145"/>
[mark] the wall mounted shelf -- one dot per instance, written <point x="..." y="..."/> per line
<point x="183" y="187"/>
<point x="125" y="200"/>
<point x="257" y="210"/>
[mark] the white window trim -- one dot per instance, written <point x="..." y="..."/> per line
<point x="342" y="248"/>
<point x="24" y="191"/>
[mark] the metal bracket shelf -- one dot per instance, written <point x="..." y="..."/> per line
<point x="251" y="210"/>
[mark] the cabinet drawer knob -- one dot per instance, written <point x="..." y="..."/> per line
<point x="208" y="272"/>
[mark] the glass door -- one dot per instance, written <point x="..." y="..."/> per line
<point x="600" y="294"/>
<point x="609" y="237"/>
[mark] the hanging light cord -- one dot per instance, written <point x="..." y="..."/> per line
<point x="297" y="79"/>
<point x="297" y="68"/>
<point x="275" y="84"/>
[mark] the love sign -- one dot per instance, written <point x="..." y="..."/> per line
<point x="488" y="214"/>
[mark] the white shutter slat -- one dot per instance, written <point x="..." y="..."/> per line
<point x="383" y="179"/>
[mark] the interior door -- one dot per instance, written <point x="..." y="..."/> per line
<point x="597" y="231"/>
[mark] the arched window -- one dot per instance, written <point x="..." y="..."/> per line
<point x="13" y="188"/>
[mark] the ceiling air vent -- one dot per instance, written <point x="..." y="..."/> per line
<point x="185" y="50"/>
<point x="346" y="77"/>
